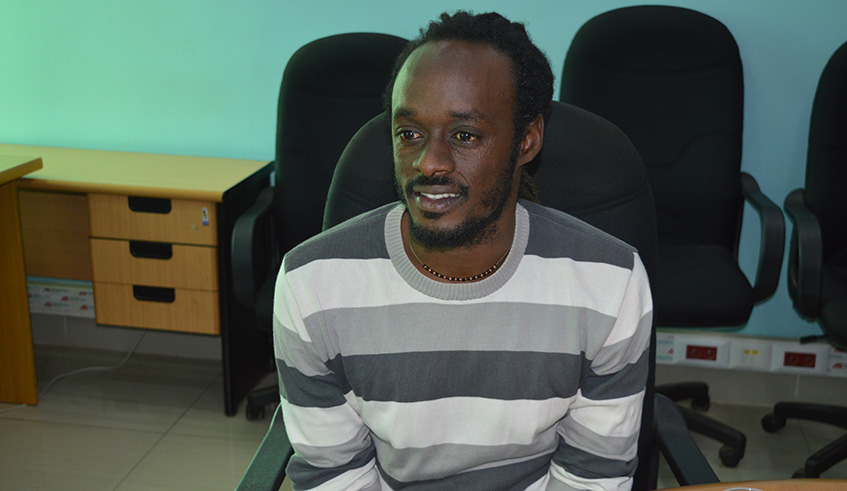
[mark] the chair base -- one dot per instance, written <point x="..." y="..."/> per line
<point x="827" y="456"/>
<point x="734" y="442"/>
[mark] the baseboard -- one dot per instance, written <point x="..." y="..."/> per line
<point x="66" y="330"/>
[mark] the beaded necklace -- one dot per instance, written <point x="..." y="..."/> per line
<point x="460" y="279"/>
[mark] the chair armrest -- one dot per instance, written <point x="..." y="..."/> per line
<point x="683" y="456"/>
<point x="253" y="249"/>
<point x="267" y="469"/>
<point x="805" y="255"/>
<point x="773" y="238"/>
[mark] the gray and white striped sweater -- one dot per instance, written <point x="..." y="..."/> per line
<point x="532" y="378"/>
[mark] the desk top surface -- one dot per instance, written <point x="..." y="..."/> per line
<point x="150" y="175"/>
<point x="779" y="485"/>
<point x="14" y="167"/>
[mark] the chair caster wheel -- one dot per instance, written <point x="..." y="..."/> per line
<point x="254" y="412"/>
<point x="771" y="422"/>
<point x="729" y="456"/>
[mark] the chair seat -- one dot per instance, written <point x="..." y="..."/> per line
<point x="834" y="298"/>
<point x="700" y="286"/>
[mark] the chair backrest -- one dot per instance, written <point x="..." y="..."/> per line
<point x="671" y="79"/>
<point x="587" y="167"/>
<point x="330" y="88"/>
<point x="817" y="259"/>
<point x="826" y="165"/>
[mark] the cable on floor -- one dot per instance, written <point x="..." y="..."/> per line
<point x="81" y="371"/>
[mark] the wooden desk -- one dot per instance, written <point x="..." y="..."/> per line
<point x="17" y="365"/>
<point x="781" y="485"/>
<point x="152" y="233"/>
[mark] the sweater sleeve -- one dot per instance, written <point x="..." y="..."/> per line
<point x="598" y="438"/>
<point x="333" y="449"/>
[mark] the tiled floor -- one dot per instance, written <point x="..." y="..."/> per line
<point x="158" y="424"/>
<point x="768" y="455"/>
<point x="155" y="424"/>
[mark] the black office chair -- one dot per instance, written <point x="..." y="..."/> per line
<point x="330" y="88"/>
<point x="671" y="79"/>
<point x="586" y="167"/>
<point x="817" y="258"/>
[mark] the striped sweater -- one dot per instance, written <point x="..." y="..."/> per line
<point x="532" y="378"/>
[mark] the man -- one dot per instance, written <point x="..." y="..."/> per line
<point x="463" y="338"/>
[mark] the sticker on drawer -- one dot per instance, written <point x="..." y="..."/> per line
<point x="60" y="297"/>
<point x="205" y="213"/>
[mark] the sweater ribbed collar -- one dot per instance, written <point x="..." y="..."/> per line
<point x="454" y="291"/>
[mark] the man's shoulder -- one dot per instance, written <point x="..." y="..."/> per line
<point x="361" y="237"/>
<point x="554" y="233"/>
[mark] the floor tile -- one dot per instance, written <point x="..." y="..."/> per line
<point x="206" y="418"/>
<point x="158" y="423"/>
<point x="767" y="456"/>
<point x="817" y="436"/>
<point x="148" y="393"/>
<point x="826" y="390"/>
<point x="187" y="462"/>
<point x="44" y="353"/>
<point x="45" y="455"/>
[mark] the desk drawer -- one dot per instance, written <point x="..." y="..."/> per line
<point x="154" y="263"/>
<point x="153" y="219"/>
<point x="169" y="309"/>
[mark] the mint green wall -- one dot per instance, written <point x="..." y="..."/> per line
<point x="200" y="77"/>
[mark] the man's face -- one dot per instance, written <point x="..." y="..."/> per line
<point x="452" y="137"/>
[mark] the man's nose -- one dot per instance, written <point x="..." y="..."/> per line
<point x="435" y="158"/>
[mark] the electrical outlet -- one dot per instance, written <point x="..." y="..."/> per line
<point x="802" y="360"/>
<point x="695" y="352"/>
<point x="701" y="350"/>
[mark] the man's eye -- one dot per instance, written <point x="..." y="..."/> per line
<point x="465" y="137"/>
<point x="407" y="135"/>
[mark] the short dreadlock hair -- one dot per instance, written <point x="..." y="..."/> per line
<point x="530" y="68"/>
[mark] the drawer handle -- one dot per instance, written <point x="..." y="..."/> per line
<point x="150" y="205"/>
<point x="153" y="294"/>
<point x="151" y="250"/>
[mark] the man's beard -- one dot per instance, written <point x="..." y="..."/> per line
<point x="473" y="230"/>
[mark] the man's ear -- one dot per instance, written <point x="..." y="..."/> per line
<point x="532" y="141"/>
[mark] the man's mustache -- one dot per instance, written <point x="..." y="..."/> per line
<point x="440" y="180"/>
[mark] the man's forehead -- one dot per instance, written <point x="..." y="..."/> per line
<point x="469" y="115"/>
<point x="452" y="53"/>
<point x="459" y="67"/>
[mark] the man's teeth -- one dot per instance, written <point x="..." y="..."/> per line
<point x="439" y="196"/>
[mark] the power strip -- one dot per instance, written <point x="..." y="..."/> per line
<point x="750" y="353"/>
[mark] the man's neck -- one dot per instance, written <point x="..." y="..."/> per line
<point x="465" y="263"/>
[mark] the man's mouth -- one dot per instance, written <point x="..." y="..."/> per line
<point x="435" y="196"/>
<point x="435" y="202"/>
<point x="440" y="196"/>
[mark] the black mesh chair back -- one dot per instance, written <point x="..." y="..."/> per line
<point x="817" y="259"/>
<point x="587" y="168"/>
<point x="671" y="79"/>
<point x="329" y="89"/>
<point x="818" y="284"/>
